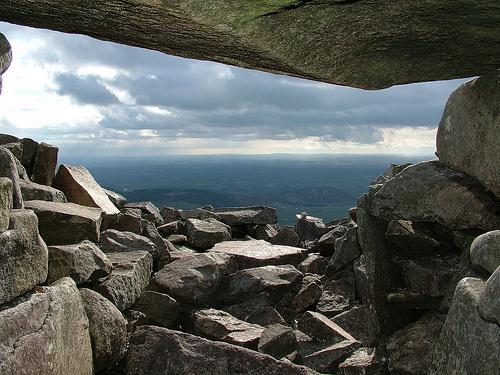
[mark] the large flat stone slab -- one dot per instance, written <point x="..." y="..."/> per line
<point x="235" y="216"/>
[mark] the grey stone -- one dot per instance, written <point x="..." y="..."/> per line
<point x="468" y="138"/>
<point x="5" y="56"/>
<point x="314" y="263"/>
<point x="80" y="187"/>
<point x="220" y="326"/>
<point x="108" y="329"/>
<point x="309" y="293"/>
<point x="82" y="262"/>
<point x="131" y="273"/>
<point x="485" y="251"/>
<point x="128" y="220"/>
<point x="163" y="246"/>
<point x="329" y="359"/>
<point x="6" y="191"/>
<point x="45" y="165"/>
<point x="286" y="236"/>
<point x="234" y="216"/>
<point x="338" y="295"/>
<point x="466" y="340"/>
<point x="411" y="238"/>
<point x="321" y="328"/>
<point x="346" y="250"/>
<point x="362" y="323"/>
<point x="6" y="138"/>
<point x="149" y="212"/>
<point x="431" y="192"/>
<point x="46" y="332"/>
<point x="309" y="228"/>
<point x="32" y="191"/>
<point x="169" y="214"/>
<point x="113" y="241"/>
<point x="29" y="153"/>
<point x="66" y="223"/>
<point x="489" y="301"/>
<point x="256" y="253"/>
<point x="117" y="199"/>
<point x="257" y="311"/>
<point x="278" y="341"/>
<point x="364" y="361"/>
<point x="271" y="281"/>
<point x="161" y="309"/>
<point x="191" y="279"/>
<point x="327" y="241"/>
<point x="189" y="354"/>
<point x="206" y="233"/>
<point x="265" y="232"/>
<point x="23" y="256"/>
<point x="8" y="168"/>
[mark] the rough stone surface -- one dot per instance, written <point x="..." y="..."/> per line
<point x="364" y="361"/>
<point x="8" y="168"/>
<point x="117" y="199"/>
<point x="309" y="228"/>
<point x="80" y="187"/>
<point x="66" y="223"/>
<point x="286" y="236"/>
<point x="466" y="340"/>
<point x="32" y="191"/>
<point x="5" y="56"/>
<point x="361" y="322"/>
<point x="189" y="354"/>
<point x="468" y="138"/>
<point x="113" y="241"/>
<point x="161" y="309"/>
<point x="337" y="296"/>
<point x="23" y="256"/>
<point x="412" y="239"/>
<point x="278" y="341"/>
<point x="431" y="192"/>
<point x="235" y="216"/>
<point x="327" y="360"/>
<point x="29" y="153"/>
<point x="149" y="211"/>
<point x="257" y="311"/>
<point x="46" y="332"/>
<point x="206" y="233"/>
<point x="256" y="253"/>
<point x="321" y="328"/>
<point x="346" y="250"/>
<point x="309" y="293"/>
<point x="485" y="251"/>
<point x="131" y="273"/>
<point x="489" y="301"/>
<point x="45" y="165"/>
<point x="314" y="263"/>
<point x="6" y="190"/>
<point x="82" y="262"/>
<point x="191" y="279"/>
<point x="128" y="220"/>
<point x="108" y="329"/>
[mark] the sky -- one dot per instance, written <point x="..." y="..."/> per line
<point x="90" y="97"/>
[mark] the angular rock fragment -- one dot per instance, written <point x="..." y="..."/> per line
<point x="45" y="165"/>
<point x="278" y="341"/>
<point x="412" y="238"/>
<point x="309" y="228"/>
<point x="257" y="253"/>
<point x="82" y="262"/>
<point x="308" y="294"/>
<point x="326" y="242"/>
<point x="362" y="323"/>
<point x="257" y="311"/>
<point x="314" y="263"/>
<point x="234" y="216"/>
<point x="346" y="250"/>
<point x="337" y="296"/>
<point x="321" y="328"/>
<point x="108" y="329"/>
<point x="161" y="309"/>
<point x="206" y="233"/>
<point x="46" y="332"/>
<point x="29" y="152"/>
<point x="149" y="212"/>
<point x="6" y="191"/>
<point x="113" y="241"/>
<point x="363" y="361"/>
<point x="265" y="232"/>
<point x="329" y="359"/>
<point x="80" y="187"/>
<point x="131" y="273"/>
<point x="485" y="251"/>
<point x="489" y="301"/>
<point x="117" y="199"/>
<point x="8" y="168"/>
<point x="66" y="223"/>
<point x="33" y="191"/>
<point x="23" y="256"/>
<point x="286" y="236"/>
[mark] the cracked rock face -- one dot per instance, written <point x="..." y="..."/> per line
<point x="359" y="43"/>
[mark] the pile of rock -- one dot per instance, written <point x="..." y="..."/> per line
<point x="408" y="283"/>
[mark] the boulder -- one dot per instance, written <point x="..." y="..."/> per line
<point x="45" y="165"/>
<point x="286" y="236"/>
<point x="29" y="153"/>
<point x="169" y="214"/>
<point x="80" y="187"/>
<point x="113" y="241"/>
<point x="32" y="191"/>
<point x="314" y="263"/>
<point x="468" y="135"/>
<point x="235" y="216"/>
<point x="271" y="281"/>
<point x="5" y="56"/>
<point x="8" y="168"/>
<point x="489" y="301"/>
<point x="321" y="328"/>
<point x="278" y="341"/>
<point x="309" y="293"/>
<point x="160" y="309"/>
<point x="338" y="295"/>
<point x="431" y="192"/>
<point x="309" y="228"/>
<point x="346" y="250"/>
<point x="117" y="199"/>
<point x="328" y="360"/>
<point x="265" y="232"/>
<point x="23" y="256"/>
<point x="413" y="239"/>
<point x="149" y="212"/>
<point x="189" y="354"/>
<point x="163" y="246"/>
<point x="46" y="332"/>
<point x="257" y="253"/>
<point x="257" y="311"/>
<point x="66" y="223"/>
<point x="363" y="361"/>
<point x="6" y="191"/>
<point x="206" y="233"/>
<point x="131" y="273"/>
<point x="82" y="262"/>
<point x="191" y="280"/>
<point x="466" y="341"/>
<point x="107" y="327"/>
<point x="220" y="326"/>
<point x="485" y="251"/>
<point x="361" y="322"/>
<point x="128" y="220"/>
<point x="327" y="241"/>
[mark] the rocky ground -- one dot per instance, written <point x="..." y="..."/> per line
<point x="406" y="284"/>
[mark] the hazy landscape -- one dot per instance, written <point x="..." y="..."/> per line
<point x="324" y="186"/>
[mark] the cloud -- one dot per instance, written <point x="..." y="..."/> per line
<point x="84" y="90"/>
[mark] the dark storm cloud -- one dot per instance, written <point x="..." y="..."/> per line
<point x="84" y="90"/>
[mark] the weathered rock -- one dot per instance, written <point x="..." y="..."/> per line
<point x="286" y="236"/>
<point x="149" y="212"/>
<point x="257" y="311"/>
<point x="46" y="332"/>
<point x="234" y="216"/>
<point x="410" y="350"/>
<point x="485" y="251"/>
<point x="468" y="138"/>
<point x="29" y="153"/>
<point x="117" y="199"/>
<point x="189" y="354"/>
<point x="221" y="326"/>
<point x="361" y="322"/>
<point x="411" y="238"/>
<point x="128" y="220"/>
<point x="113" y="241"/>
<point x="431" y="192"/>
<point x="108" y="329"/>
<point x="163" y="246"/>
<point x="409" y="299"/>
<point x="309" y="228"/>
<point x="346" y="250"/>
<point x="45" y="165"/>
<point x="328" y="359"/>
<point x="161" y="309"/>
<point x="66" y="223"/>
<point x="6" y="191"/>
<point x="314" y="263"/>
<point x="23" y="256"/>
<point x="5" y="56"/>
<point x="265" y="232"/>
<point x="15" y="148"/>
<point x="6" y="138"/>
<point x="169" y="214"/>
<point x="278" y="341"/>
<point x="80" y="187"/>
<point x="337" y="296"/>
<point x="204" y="234"/>
<point x="32" y="191"/>
<point x="271" y="281"/>
<point x="327" y="241"/>
<point x="309" y="292"/>
<point x="321" y="328"/>
<point x="191" y="279"/>
<point x="489" y="301"/>
<point x="257" y="253"/>
<point x="8" y="168"/>
<point x="82" y="262"/>
<point x="466" y="340"/>
<point x="131" y="273"/>
<point x="364" y="361"/>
